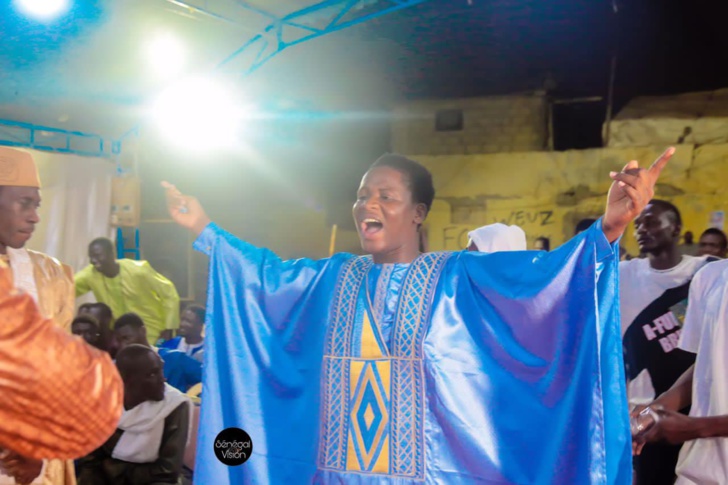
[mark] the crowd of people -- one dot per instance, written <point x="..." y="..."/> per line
<point x="489" y="364"/>
<point x="136" y="427"/>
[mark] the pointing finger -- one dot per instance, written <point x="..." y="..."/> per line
<point x="660" y="163"/>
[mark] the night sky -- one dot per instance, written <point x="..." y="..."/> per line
<point x="501" y="46"/>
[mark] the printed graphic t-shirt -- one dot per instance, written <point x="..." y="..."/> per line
<point x="653" y="306"/>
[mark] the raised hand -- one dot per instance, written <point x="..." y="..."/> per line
<point x="185" y="210"/>
<point x="632" y="189"/>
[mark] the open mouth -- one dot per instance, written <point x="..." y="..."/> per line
<point x="370" y="226"/>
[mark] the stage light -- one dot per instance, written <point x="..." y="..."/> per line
<point x="199" y="114"/>
<point x="165" y="55"/>
<point x="42" y="9"/>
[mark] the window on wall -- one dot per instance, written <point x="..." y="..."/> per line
<point x="449" y="120"/>
<point x="576" y="124"/>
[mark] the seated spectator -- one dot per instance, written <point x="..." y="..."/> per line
<point x="713" y="242"/>
<point x="149" y="444"/>
<point x="181" y="371"/>
<point x="189" y="340"/>
<point x="86" y="327"/>
<point x="102" y="313"/>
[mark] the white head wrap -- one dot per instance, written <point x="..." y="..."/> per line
<point x="498" y="237"/>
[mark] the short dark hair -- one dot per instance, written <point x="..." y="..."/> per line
<point x="419" y="178"/>
<point x="128" y="356"/>
<point x="104" y="242"/>
<point x="583" y="225"/>
<point x="716" y="232"/>
<point x="198" y="310"/>
<point x="86" y="319"/>
<point x="103" y="307"/>
<point x="668" y="207"/>
<point x="129" y="320"/>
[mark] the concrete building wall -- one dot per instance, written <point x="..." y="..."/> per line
<point x="547" y="193"/>
<point x="490" y="125"/>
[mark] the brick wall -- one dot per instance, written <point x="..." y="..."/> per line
<point x="490" y="125"/>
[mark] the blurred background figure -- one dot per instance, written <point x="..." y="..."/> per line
<point x="180" y="370"/>
<point x="149" y="444"/>
<point x="542" y="244"/>
<point x="87" y="327"/>
<point x="713" y="242"/>
<point x="688" y="246"/>
<point x="190" y="340"/>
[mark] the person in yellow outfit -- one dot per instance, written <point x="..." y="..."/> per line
<point x="47" y="281"/>
<point x="129" y="286"/>
<point x="58" y="411"/>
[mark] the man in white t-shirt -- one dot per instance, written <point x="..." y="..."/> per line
<point x="653" y="293"/>
<point x="704" y="457"/>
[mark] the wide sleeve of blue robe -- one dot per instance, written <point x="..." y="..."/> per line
<point x="524" y="356"/>
<point x="265" y="327"/>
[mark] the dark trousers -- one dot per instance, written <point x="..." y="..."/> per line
<point x="656" y="464"/>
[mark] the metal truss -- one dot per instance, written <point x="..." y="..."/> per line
<point x="281" y="32"/>
<point x="17" y="134"/>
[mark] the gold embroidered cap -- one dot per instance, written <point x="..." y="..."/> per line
<point x="17" y="168"/>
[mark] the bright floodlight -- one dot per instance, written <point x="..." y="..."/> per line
<point x="165" y="55"/>
<point x="42" y="9"/>
<point x="199" y="114"/>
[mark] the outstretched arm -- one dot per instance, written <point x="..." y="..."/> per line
<point x="275" y="284"/>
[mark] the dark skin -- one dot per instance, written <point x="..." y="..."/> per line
<point x="143" y="380"/>
<point x="190" y="327"/>
<point x="387" y="217"/>
<point x="712" y="245"/>
<point x="658" y="236"/>
<point x="23" y="470"/>
<point x="107" y="334"/>
<point x="674" y="427"/>
<point x="103" y="260"/>
<point x="128" y="335"/>
<point x="88" y="332"/>
<point x="18" y="216"/>
<point x="541" y="244"/>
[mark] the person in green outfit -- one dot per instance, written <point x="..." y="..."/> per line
<point x="130" y="286"/>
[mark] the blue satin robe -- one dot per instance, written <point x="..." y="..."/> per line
<point x="462" y="367"/>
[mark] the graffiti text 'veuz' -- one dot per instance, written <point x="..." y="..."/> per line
<point x="521" y="218"/>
